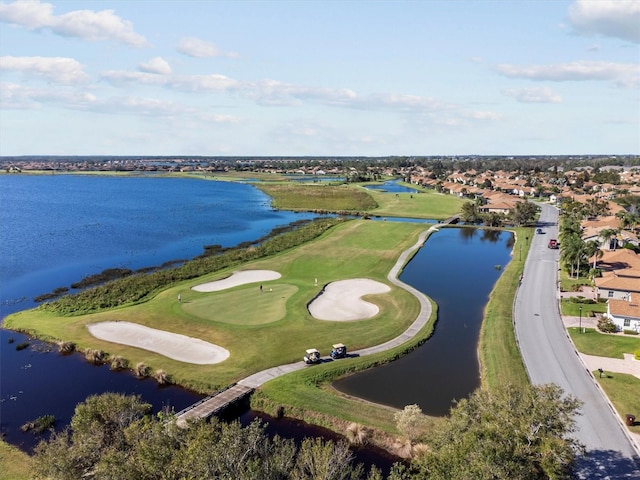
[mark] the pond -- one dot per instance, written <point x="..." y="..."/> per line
<point x="457" y="268"/>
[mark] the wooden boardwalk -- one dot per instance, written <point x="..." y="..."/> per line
<point x="213" y="404"/>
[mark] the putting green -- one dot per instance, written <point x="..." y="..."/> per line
<point x="246" y="305"/>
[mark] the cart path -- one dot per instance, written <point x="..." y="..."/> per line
<point x="257" y="379"/>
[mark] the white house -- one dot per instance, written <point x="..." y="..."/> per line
<point x="624" y="313"/>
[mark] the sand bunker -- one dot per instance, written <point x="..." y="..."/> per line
<point x="172" y="345"/>
<point x="342" y="300"/>
<point x="238" y="278"/>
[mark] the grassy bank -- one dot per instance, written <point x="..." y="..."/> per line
<point x="259" y="335"/>
<point x="499" y="354"/>
<point x="426" y="204"/>
<point x="624" y="392"/>
<point x="14" y="463"/>
<point x="332" y="198"/>
<point x="592" y="342"/>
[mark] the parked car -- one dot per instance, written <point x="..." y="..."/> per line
<point x="538" y="230"/>
<point x="553" y="243"/>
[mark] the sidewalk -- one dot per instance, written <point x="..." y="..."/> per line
<point x="628" y="365"/>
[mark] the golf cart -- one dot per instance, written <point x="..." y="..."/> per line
<point x="339" y="351"/>
<point x="312" y="356"/>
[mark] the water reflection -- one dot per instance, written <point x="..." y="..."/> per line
<point x="457" y="269"/>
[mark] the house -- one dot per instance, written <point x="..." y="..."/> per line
<point x="618" y="284"/>
<point x="625" y="313"/>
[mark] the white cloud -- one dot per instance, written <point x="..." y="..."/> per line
<point x="622" y="74"/>
<point x="55" y="69"/>
<point x="533" y="95"/>
<point x="610" y="18"/>
<point x="194" y="47"/>
<point x="17" y="96"/>
<point x="87" y="25"/>
<point x="156" y="65"/>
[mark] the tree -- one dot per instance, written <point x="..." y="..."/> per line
<point x="509" y="432"/>
<point x="410" y="421"/>
<point x="523" y="213"/>
<point x="469" y="212"/>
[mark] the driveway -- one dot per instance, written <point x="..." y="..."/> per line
<point x="549" y="357"/>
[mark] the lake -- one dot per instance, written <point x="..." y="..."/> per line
<point x="58" y="229"/>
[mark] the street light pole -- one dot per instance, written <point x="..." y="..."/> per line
<point x="580" y="319"/>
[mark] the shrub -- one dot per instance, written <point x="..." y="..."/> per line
<point x="162" y="377"/>
<point x="94" y="356"/>
<point x="605" y="325"/>
<point x="118" y="363"/>
<point x="630" y="332"/>
<point x="40" y="424"/>
<point x="637" y="354"/>
<point x="66" y="347"/>
<point x="141" y="370"/>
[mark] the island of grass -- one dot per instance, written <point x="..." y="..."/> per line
<point x="268" y="323"/>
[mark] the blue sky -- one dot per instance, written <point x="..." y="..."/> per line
<point x="375" y="78"/>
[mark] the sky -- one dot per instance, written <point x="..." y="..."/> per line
<point x="319" y="78"/>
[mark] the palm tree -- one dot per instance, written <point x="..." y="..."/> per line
<point x="607" y="234"/>
<point x="593" y="249"/>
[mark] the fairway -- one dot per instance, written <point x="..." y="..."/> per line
<point x="259" y="329"/>
<point x="246" y="305"/>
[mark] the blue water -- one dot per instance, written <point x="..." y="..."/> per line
<point x="392" y="186"/>
<point x="58" y="229"/>
<point x="456" y="268"/>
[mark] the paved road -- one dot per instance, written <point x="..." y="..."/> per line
<point x="550" y="358"/>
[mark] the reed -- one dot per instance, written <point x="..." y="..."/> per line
<point x="94" y="356"/>
<point x="141" y="370"/>
<point x="66" y="348"/>
<point x="161" y="377"/>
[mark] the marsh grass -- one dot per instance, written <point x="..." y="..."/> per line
<point x="330" y="198"/>
<point x="92" y="355"/>
<point x="66" y="348"/>
<point x="162" y="377"/>
<point x="141" y="370"/>
<point x="39" y="425"/>
<point x="118" y="363"/>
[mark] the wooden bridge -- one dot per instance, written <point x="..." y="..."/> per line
<point x="213" y="404"/>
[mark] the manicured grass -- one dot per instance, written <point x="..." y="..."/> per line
<point x="426" y="204"/>
<point x="624" y="392"/>
<point x="593" y="342"/>
<point x="244" y="305"/>
<point x="354" y="249"/>
<point x="307" y="394"/>
<point x="14" y="463"/>
<point x="572" y="309"/>
<point x="571" y="284"/>
<point x="500" y="358"/>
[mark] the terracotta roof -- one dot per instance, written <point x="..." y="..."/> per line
<point x="624" y="308"/>
<point x="622" y="258"/>
<point x="618" y="282"/>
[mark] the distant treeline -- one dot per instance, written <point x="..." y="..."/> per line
<point x="141" y="286"/>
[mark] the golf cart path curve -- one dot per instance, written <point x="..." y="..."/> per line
<point x="259" y="378"/>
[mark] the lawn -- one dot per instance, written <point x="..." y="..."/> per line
<point x="624" y="392"/>
<point x="572" y="308"/>
<point x="265" y="330"/>
<point x="16" y="465"/>
<point x="593" y="342"/>
<point x="426" y="204"/>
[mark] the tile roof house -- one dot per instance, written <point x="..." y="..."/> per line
<point x="625" y="313"/>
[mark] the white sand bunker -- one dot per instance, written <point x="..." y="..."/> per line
<point x="238" y="278"/>
<point x="172" y="345"/>
<point x="342" y="300"/>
